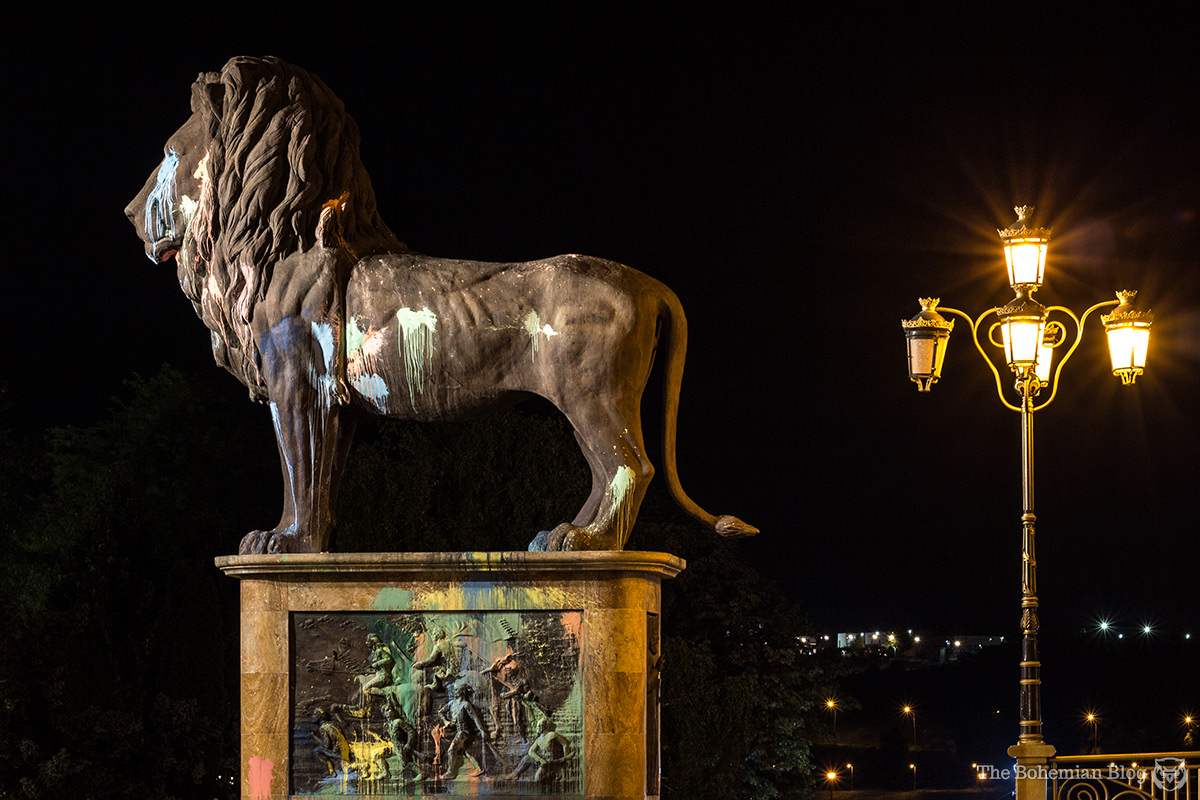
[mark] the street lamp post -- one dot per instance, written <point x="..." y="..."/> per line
<point x="851" y="768"/>
<point x="1028" y="339"/>
<point x="911" y="712"/>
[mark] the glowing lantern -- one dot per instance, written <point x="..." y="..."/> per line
<point x="1023" y="331"/>
<point x="1128" y="337"/>
<point x="1025" y="251"/>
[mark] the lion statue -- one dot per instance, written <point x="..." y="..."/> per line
<point x="315" y="305"/>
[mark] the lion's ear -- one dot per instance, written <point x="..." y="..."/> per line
<point x="208" y="95"/>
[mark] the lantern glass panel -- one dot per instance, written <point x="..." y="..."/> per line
<point x="1022" y="340"/>
<point x="1127" y="345"/>
<point x="1026" y="261"/>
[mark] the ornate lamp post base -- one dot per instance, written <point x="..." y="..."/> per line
<point x="1033" y="769"/>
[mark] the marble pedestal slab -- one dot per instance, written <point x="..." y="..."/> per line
<point x="470" y="658"/>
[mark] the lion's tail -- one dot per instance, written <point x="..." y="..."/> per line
<point x="673" y="349"/>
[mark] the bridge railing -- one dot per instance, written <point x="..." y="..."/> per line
<point x="1127" y="776"/>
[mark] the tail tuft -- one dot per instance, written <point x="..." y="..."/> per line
<point x="734" y="527"/>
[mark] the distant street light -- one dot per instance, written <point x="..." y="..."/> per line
<point x="831" y="705"/>
<point x="1028" y="339"/>
<point x="831" y="777"/>
<point x="913" y="767"/>
<point x="1091" y="719"/>
<point x="851" y="768"/>
<point x="911" y="712"/>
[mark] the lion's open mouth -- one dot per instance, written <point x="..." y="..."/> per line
<point x="164" y="250"/>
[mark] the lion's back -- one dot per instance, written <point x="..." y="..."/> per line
<point x="439" y="337"/>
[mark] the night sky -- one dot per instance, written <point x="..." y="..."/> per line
<point x="799" y="179"/>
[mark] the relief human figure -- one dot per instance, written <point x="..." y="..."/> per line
<point x="383" y="663"/>
<point x="549" y="751"/>
<point x="514" y="691"/>
<point x="402" y="735"/>
<point x="443" y="661"/>
<point x="331" y="745"/>
<point x="467" y="722"/>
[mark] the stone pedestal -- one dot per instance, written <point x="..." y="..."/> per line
<point x="450" y="674"/>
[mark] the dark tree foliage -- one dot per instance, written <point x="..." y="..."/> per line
<point x="488" y="484"/>
<point x="740" y="702"/>
<point x="119" y="672"/>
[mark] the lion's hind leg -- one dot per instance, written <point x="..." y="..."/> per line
<point x="621" y="472"/>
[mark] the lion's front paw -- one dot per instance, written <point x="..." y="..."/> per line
<point x="257" y="543"/>
<point x="568" y="537"/>
<point x="285" y="542"/>
<point x="561" y="538"/>
<point x="254" y="543"/>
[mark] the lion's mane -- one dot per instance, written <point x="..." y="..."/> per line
<point x="282" y="176"/>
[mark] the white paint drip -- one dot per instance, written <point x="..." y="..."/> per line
<point x="416" y="347"/>
<point x="621" y="499"/>
<point x="534" y="327"/>
<point x="287" y="461"/>
<point x="325" y="383"/>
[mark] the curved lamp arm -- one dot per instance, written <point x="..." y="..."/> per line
<point x="975" y="323"/>
<point x="1079" y="324"/>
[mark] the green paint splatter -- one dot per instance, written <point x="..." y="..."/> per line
<point x="355" y="336"/>
<point x="392" y="599"/>
<point x="416" y="346"/>
<point x="535" y="328"/>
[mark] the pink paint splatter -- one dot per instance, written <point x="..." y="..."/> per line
<point x="260" y="777"/>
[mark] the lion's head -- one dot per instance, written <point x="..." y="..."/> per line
<point x="267" y="166"/>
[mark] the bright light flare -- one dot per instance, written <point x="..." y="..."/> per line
<point x="1022" y="337"/>
<point x="1026" y="261"/>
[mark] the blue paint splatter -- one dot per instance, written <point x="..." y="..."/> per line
<point x="160" y="205"/>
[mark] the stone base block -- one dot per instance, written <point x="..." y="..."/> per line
<point x="450" y="675"/>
